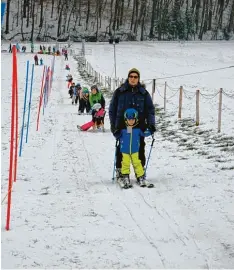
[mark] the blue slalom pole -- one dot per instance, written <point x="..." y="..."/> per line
<point x="29" y="103"/>
<point x="151" y="147"/>
<point x="25" y="98"/>
<point x="113" y="176"/>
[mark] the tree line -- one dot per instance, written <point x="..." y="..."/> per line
<point x="98" y="20"/>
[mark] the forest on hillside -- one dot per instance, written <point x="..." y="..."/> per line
<point x="98" y="20"/>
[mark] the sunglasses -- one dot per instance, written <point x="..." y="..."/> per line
<point x="131" y="76"/>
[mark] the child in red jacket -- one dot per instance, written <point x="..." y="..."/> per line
<point x="97" y="122"/>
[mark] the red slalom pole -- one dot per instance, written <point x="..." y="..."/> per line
<point x="40" y="101"/>
<point x="16" y="117"/>
<point x="12" y="141"/>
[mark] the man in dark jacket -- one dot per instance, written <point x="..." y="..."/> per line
<point x="132" y="94"/>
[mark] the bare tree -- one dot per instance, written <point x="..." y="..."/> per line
<point x="142" y="17"/>
<point x="60" y="18"/>
<point x="111" y="17"/>
<point x="28" y="13"/>
<point x="52" y="9"/>
<point x="88" y="14"/>
<point x="151" y="33"/>
<point x="231" y="19"/>
<point x="136" y="16"/>
<point x="41" y="14"/>
<point x="7" y="16"/>
<point x="33" y="18"/>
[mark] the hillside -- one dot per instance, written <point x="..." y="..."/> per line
<point x="97" y="20"/>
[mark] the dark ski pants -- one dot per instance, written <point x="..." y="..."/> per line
<point x="76" y="100"/>
<point x="141" y="154"/>
<point x="83" y="104"/>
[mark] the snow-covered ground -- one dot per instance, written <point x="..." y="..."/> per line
<point x="67" y="213"/>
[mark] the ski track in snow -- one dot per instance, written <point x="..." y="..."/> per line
<point x="72" y="215"/>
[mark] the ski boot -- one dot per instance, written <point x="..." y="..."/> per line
<point x="124" y="181"/>
<point x="141" y="181"/>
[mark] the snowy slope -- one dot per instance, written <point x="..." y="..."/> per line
<point x="67" y="213"/>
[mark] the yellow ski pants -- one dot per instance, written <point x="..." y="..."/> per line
<point x="126" y="162"/>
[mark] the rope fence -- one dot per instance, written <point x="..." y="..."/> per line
<point x="182" y="93"/>
<point x="111" y="84"/>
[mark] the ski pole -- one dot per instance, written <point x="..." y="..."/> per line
<point x="113" y="176"/>
<point x="152" y="143"/>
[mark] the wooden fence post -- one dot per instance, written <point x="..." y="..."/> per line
<point x="220" y="109"/>
<point x="165" y="96"/>
<point x="197" y="108"/>
<point x="180" y="102"/>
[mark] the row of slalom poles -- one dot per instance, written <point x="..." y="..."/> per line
<point x="41" y="97"/>
<point x="46" y="84"/>
<point x="28" y="109"/>
<point x="14" y="135"/>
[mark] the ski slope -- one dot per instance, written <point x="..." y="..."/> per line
<point x="67" y="213"/>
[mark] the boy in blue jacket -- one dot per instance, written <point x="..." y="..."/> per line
<point x="129" y="147"/>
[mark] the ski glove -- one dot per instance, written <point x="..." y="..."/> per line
<point x="147" y="133"/>
<point x="113" y="129"/>
<point x="152" y="129"/>
<point x="116" y="132"/>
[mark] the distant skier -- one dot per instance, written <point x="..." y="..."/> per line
<point x="66" y="54"/>
<point x="18" y="47"/>
<point x="36" y="59"/>
<point x="67" y="67"/>
<point x="74" y="94"/>
<point x="69" y="80"/>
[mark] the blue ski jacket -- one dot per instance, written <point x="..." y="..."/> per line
<point x="130" y="142"/>
<point x="126" y="97"/>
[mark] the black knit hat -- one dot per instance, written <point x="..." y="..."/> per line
<point x="94" y="87"/>
<point x="134" y="70"/>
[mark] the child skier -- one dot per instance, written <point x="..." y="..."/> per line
<point x="74" y="94"/>
<point x="96" y="97"/>
<point x="97" y="122"/>
<point x="84" y="101"/>
<point x="129" y="147"/>
<point x="70" y="91"/>
<point x="79" y="89"/>
<point x="69" y="80"/>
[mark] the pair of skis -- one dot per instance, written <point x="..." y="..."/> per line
<point x="130" y="185"/>
<point x="96" y="129"/>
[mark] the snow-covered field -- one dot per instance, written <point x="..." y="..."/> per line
<point x="67" y="213"/>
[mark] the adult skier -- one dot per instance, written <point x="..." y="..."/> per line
<point x="132" y="94"/>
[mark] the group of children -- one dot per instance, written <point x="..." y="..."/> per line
<point x="129" y="137"/>
<point x="92" y="102"/>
